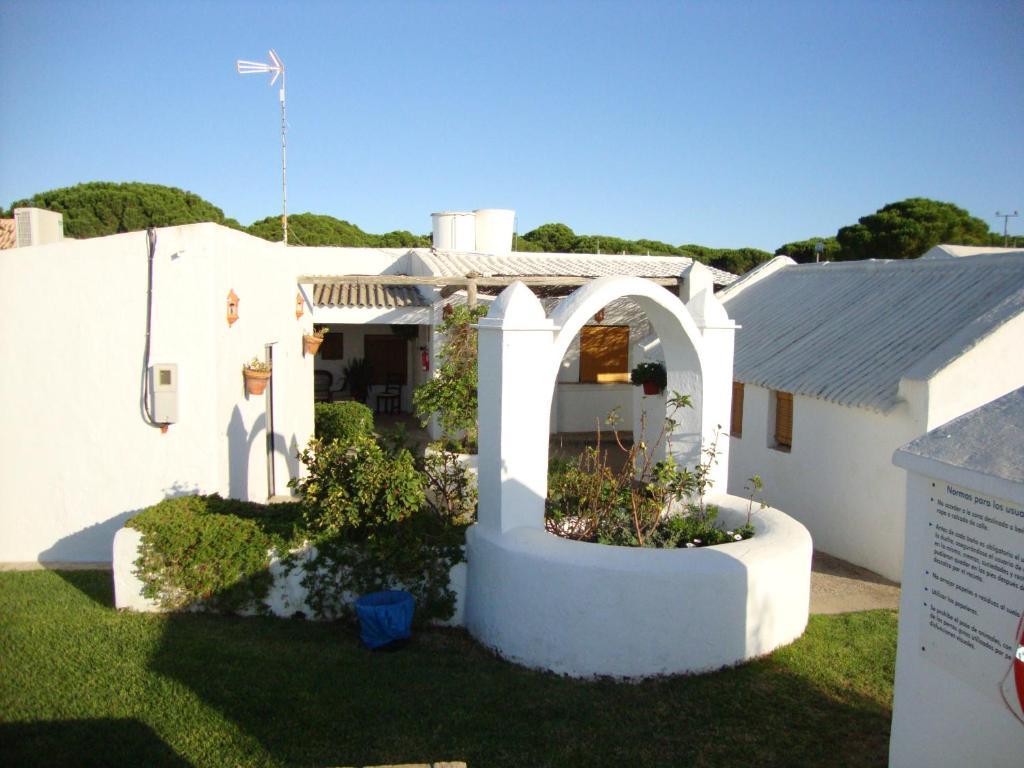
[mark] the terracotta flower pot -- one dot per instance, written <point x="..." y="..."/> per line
<point x="255" y="381"/>
<point x="651" y="388"/>
<point x="311" y="344"/>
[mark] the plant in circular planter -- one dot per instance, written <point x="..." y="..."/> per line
<point x="256" y="373"/>
<point x="311" y="341"/>
<point x="651" y="376"/>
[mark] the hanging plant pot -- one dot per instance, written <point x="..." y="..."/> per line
<point x="651" y="388"/>
<point x="255" y="381"/>
<point x="311" y="343"/>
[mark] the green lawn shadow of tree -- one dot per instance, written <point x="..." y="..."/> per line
<point x="85" y="743"/>
<point x="311" y="695"/>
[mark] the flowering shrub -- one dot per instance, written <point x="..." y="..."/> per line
<point x="589" y="501"/>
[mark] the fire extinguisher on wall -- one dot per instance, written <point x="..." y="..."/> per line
<point x="424" y="359"/>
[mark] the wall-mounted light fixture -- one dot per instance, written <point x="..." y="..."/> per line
<point x="232" y="315"/>
<point x="299" y="305"/>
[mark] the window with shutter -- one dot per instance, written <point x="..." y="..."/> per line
<point x="388" y="357"/>
<point x="604" y="353"/>
<point x="783" y="420"/>
<point x="736" y="423"/>
<point x="333" y="347"/>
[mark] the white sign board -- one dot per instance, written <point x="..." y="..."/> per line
<point x="973" y="585"/>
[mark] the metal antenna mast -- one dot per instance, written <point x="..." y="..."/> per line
<point x="1006" y="220"/>
<point x="277" y="67"/>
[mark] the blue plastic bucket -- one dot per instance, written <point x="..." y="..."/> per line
<point x="385" y="617"/>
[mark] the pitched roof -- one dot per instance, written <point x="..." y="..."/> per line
<point x="453" y="263"/>
<point x="350" y="295"/>
<point x="989" y="439"/>
<point x="953" y="251"/>
<point x="847" y="332"/>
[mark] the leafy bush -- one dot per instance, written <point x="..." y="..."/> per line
<point x="451" y="489"/>
<point x="354" y="489"/>
<point x="344" y="421"/>
<point x="589" y="501"/>
<point x="213" y="551"/>
<point x="451" y="392"/>
<point x="368" y="519"/>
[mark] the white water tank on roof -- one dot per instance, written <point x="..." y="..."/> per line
<point x="454" y="230"/>
<point x="494" y="228"/>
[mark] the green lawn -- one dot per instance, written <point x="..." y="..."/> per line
<point x="81" y="684"/>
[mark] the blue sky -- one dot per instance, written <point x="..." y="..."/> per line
<point x="724" y="124"/>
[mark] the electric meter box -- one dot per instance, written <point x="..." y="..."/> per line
<point x="163" y="391"/>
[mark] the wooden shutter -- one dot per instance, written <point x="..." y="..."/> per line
<point x="736" y="424"/>
<point x="784" y="419"/>
<point x="604" y="353"/>
<point x="388" y="356"/>
<point x="333" y="347"/>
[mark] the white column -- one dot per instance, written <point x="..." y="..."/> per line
<point x="719" y="335"/>
<point x="514" y="392"/>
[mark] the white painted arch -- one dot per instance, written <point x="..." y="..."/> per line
<point x="681" y="341"/>
<point x="590" y="609"/>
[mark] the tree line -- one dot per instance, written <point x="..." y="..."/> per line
<point x="900" y="230"/>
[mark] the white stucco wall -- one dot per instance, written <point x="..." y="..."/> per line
<point x="983" y="373"/>
<point x="287" y="594"/>
<point x="77" y="458"/>
<point x="838" y="479"/>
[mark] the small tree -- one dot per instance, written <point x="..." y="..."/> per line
<point x="451" y="393"/>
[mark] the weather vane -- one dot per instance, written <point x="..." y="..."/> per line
<point x="277" y="67"/>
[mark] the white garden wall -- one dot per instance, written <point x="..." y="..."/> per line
<point x="286" y="597"/>
<point x="77" y="457"/>
<point x="838" y="479"/>
<point x="589" y="609"/>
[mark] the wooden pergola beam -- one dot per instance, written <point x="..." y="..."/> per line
<point x="481" y="282"/>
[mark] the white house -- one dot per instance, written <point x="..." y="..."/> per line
<point x="95" y="334"/>
<point x="839" y="364"/>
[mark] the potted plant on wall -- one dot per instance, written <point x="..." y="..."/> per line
<point x="651" y="376"/>
<point x="257" y="374"/>
<point x="311" y="341"/>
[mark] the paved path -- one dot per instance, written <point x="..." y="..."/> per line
<point x="839" y="587"/>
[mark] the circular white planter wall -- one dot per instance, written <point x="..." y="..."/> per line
<point x="589" y="609"/>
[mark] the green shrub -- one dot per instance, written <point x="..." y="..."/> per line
<point x="451" y="393"/>
<point x="214" y="551"/>
<point x="353" y="489"/>
<point x="343" y="421"/>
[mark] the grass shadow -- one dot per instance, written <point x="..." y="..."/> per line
<point x="85" y="743"/>
<point x="98" y="586"/>
<point x="224" y="690"/>
<point x="445" y="697"/>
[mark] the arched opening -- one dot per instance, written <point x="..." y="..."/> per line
<point x="679" y="347"/>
